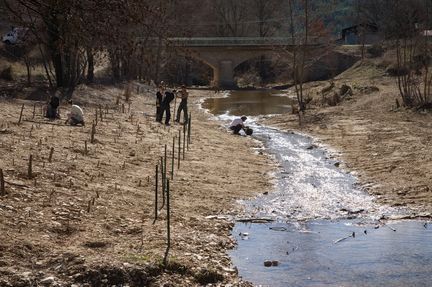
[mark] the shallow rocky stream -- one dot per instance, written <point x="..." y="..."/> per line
<point x="323" y="229"/>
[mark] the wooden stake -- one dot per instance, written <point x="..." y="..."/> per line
<point x="156" y="195"/>
<point x="184" y="139"/>
<point x="34" y="110"/>
<point x="168" y="225"/>
<point x="165" y="162"/>
<point x="30" y="163"/>
<point x="21" y="113"/>
<point x="93" y="131"/>
<point x="163" y="167"/>
<point x="51" y="154"/>
<point x="189" y="129"/>
<point x="172" y="159"/>
<point x="2" y="183"/>
<point x="100" y="113"/>
<point x="179" y="150"/>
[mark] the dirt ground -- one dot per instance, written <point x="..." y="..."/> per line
<point x="86" y="217"/>
<point x="389" y="148"/>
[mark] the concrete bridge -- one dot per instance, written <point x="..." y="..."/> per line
<point x="224" y="54"/>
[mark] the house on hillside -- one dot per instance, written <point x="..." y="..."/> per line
<point x="361" y="34"/>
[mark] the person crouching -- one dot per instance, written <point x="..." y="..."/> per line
<point x="76" y="115"/>
<point x="52" y="108"/>
<point x="237" y="125"/>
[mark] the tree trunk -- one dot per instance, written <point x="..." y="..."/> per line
<point x="28" y="67"/>
<point x="44" y="61"/>
<point x="54" y="47"/>
<point x="90" y="68"/>
<point x="158" y="59"/>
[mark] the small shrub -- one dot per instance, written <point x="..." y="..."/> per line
<point x="205" y="277"/>
<point x="394" y="70"/>
<point x="128" y="93"/>
<point x="334" y="100"/>
<point x="345" y="90"/>
<point x="7" y="74"/>
<point x="375" y="51"/>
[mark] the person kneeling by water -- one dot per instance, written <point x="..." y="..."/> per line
<point x="237" y="125"/>
<point x="76" y="115"/>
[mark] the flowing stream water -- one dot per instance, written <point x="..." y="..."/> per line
<point x="326" y="231"/>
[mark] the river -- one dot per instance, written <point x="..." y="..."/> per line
<point x="325" y="230"/>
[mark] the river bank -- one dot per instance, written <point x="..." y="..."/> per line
<point x="328" y="231"/>
<point x="388" y="148"/>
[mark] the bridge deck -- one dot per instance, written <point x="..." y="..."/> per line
<point x="245" y="41"/>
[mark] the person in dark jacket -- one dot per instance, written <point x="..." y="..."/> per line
<point x="53" y="104"/>
<point x="167" y="99"/>
<point x="183" y="94"/>
<point x="159" y="97"/>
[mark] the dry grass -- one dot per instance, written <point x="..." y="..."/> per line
<point x="92" y="207"/>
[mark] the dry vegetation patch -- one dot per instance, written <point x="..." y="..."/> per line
<point x="87" y="211"/>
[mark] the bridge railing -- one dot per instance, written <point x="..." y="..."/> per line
<point x="244" y="41"/>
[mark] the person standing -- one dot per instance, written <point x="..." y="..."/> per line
<point x="159" y="97"/>
<point x="167" y="99"/>
<point x="183" y="94"/>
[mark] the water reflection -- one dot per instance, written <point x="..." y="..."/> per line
<point x="309" y="256"/>
<point x="251" y="103"/>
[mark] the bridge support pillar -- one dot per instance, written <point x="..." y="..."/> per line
<point x="223" y="74"/>
<point x="226" y="74"/>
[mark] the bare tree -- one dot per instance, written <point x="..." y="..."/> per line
<point x="232" y="16"/>
<point x="306" y="26"/>
<point x="406" y="24"/>
<point x="265" y="12"/>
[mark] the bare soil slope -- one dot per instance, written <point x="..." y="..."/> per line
<point x="87" y="217"/>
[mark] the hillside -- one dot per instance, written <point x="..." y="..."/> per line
<point x="86" y="216"/>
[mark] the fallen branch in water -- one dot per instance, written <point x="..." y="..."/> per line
<point x="391" y="228"/>
<point x="278" y="228"/>
<point x="255" y="220"/>
<point x="344" y="238"/>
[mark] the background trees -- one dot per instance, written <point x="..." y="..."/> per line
<point x="406" y="25"/>
<point x="75" y="36"/>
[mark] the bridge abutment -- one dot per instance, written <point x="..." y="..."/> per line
<point x="226" y="75"/>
